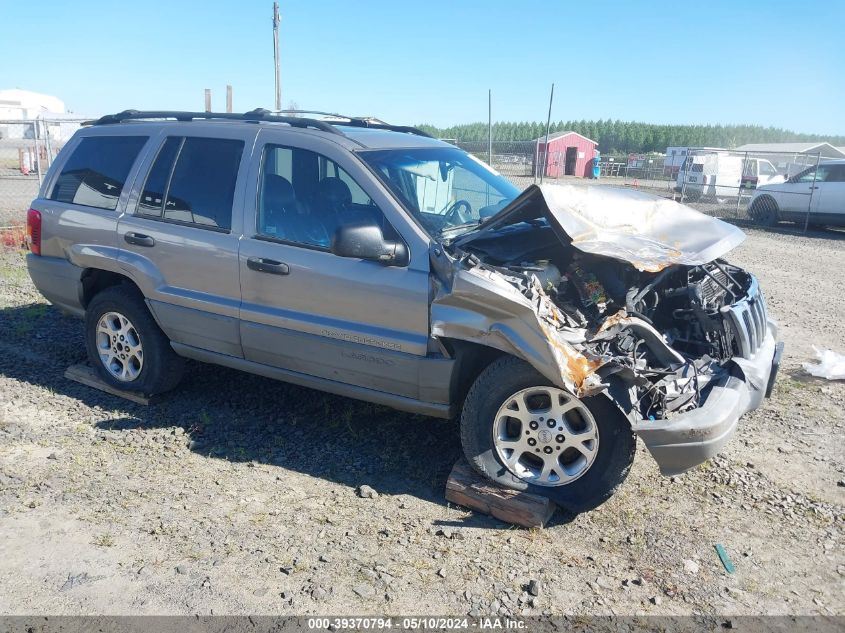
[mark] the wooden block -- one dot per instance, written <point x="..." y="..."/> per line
<point x="467" y="488"/>
<point x="84" y="374"/>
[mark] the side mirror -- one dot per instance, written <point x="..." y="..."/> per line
<point x="365" y="241"/>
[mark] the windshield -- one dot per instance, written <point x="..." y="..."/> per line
<point x="448" y="191"/>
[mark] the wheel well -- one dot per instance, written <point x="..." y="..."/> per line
<point x="470" y="360"/>
<point x="764" y="199"/>
<point x="95" y="280"/>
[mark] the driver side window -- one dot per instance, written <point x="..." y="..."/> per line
<point x="818" y="174"/>
<point x="303" y="197"/>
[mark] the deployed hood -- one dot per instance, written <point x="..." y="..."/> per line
<point x="645" y="230"/>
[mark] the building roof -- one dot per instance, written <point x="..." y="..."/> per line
<point x="557" y="135"/>
<point x="27" y="100"/>
<point x="825" y="149"/>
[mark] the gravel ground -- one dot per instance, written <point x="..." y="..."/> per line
<point x="237" y="494"/>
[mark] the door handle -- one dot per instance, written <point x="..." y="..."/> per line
<point x="816" y="187"/>
<point x="139" y="239"/>
<point x="267" y="266"/>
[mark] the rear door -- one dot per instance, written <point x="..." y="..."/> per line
<point x="180" y="238"/>
<point x="831" y="194"/>
<point x="309" y="311"/>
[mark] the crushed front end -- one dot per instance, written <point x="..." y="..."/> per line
<point x="617" y="293"/>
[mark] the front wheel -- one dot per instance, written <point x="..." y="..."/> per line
<point x="125" y="345"/>
<point x="522" y="432"/>
<point x="764" y="211"/>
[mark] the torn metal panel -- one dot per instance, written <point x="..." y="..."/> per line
<point x="482" y="306"/>
<point x="645" y="230"/>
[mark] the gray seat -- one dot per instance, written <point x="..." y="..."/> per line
<point x="278" y="205"/>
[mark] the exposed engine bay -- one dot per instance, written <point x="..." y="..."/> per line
<point x="663" y="334"/>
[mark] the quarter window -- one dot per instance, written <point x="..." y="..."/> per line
<point x="95" y="174"/>
<point x="192" y="181"/>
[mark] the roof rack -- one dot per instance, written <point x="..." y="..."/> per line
<point x="291" y="117"/>
<point x="359" y="121"/>
<point x="258" y="114"/>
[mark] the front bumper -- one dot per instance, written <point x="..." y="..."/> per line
<point x="686" y="440"/>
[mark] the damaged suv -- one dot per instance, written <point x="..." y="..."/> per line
<point x="372" y="261"/>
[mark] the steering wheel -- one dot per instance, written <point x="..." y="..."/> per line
<point x="454" y="212"/>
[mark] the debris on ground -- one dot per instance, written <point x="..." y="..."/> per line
<point x="726" y="560"/>
<point x="831" y="365"/>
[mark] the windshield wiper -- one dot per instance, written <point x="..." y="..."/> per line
<point x="455" y="227"/>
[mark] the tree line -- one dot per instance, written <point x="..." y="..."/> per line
<point x="631" y="136"/>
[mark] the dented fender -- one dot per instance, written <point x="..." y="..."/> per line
<point x="480" y="306"/>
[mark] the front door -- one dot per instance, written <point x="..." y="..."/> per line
<point x="307" y="310"/>
<point x="799" y="194"/>
<point x="831" y="194"/>
<point x="571" y="159"/>
<point x="180" y="243"/>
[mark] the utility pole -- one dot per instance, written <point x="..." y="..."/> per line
<point x="208" y="99"/>
<point x="228" y="98"/>
<point x="548" y="127"/>
<point x="276" y="20"/>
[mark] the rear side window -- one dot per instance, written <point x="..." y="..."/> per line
<point x="836" y="174"/>
<point x="192" y="181"/>
<point x="152" y="197"/>
<point x="96" y="172"/>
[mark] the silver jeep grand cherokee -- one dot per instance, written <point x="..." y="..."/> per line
<point x="372" y="261"/>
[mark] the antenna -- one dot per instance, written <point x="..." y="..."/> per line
<point x="276" y="21"/>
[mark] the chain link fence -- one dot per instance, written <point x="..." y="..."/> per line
<point x="761" y="187"/>
<point x="769" y="188"/>
<point x="765" y="188"/>
<point x="27" y="149"/>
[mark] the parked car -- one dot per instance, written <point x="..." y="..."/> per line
<point x="723" y="175"/>
<point x="815" y="195"/>
<point x="372" y="261"/>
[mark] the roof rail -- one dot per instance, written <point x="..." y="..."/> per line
<point x="260" y="114"/>
<point x="360" y="121"/>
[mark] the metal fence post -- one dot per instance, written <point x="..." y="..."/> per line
<point x="548" y="127"/>
<point x="812" y="191"/>
<point x="37" y="156"/>
<point x="490" y="127"/>
<point x="49" y="148"/>
<point x="739" y="195"/>
<point x="684" y="176"/>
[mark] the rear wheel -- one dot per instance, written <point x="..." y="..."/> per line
<point x="522" y="432"/>
<point x="125" y="345"/>
<point x="764" y="211"/>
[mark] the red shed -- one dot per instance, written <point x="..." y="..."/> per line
<point x="570" y="154"/>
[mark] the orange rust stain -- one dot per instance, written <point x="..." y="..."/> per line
<point x="612" y="320"/>
<point x="578" y="366"/>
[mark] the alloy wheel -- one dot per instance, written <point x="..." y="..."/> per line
<point x="545" y="436"/>
<point x="119" y="347"/>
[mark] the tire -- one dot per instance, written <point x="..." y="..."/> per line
<point x="764" y="211"/>
<point x="142" y="359"/>
<point x="614" y="446"/>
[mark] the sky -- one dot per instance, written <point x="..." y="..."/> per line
<point x="765" y="62"/>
